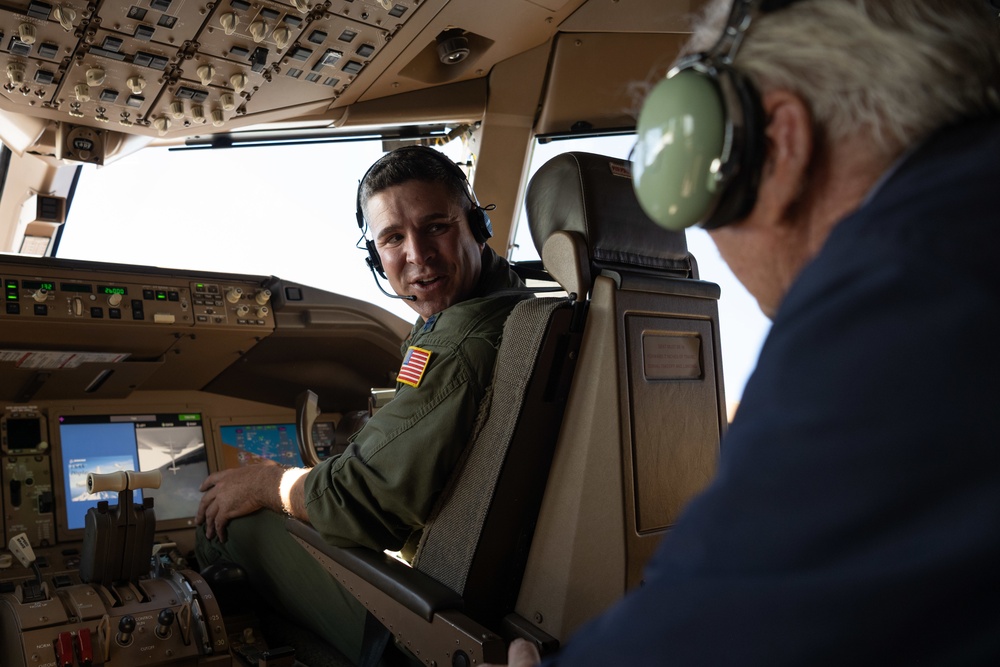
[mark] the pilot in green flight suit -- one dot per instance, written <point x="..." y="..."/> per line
<point x="380" y="491"/>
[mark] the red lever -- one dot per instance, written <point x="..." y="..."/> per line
<point x="64" y="649"/>
<point x="85" y="648"/>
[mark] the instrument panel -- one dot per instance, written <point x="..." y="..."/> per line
<point x="161" y="67"/>
<point x="108" y="368"/>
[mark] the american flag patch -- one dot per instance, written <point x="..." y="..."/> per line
<point x="413" y="366"/>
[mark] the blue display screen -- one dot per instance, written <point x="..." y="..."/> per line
<point x="174" y="444"/>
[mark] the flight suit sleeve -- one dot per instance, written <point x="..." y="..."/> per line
<point x="383" y="486"/>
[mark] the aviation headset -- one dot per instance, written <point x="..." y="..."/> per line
<point x="479" y="221"/>
<point x="700" y="146"/>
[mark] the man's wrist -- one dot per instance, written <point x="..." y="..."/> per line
<point x="288" y="479"/>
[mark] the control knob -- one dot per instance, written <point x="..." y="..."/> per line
<point x="65" y="16"/>
<point x="229" y="22"/>
<point x="239" y="81"/>
<point x="258" y="30"/>
<point x="282" y="36"/>
<point x="40" y="295"/>
<point x="205" y="74"/>
<point x="234" y="294"/>
<point x="135" y="84"/>
<point x="114" y="300"/>
<point x="262" y="296"/>
<point x="26" y="33"/>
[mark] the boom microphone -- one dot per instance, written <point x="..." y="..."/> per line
<point x="408" y="297"/>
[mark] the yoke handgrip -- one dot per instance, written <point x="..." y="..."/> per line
<point x="306" y="413"/>
<point x="120" y="480"/>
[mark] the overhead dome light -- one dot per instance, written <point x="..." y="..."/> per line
<point x="452" y="46"/>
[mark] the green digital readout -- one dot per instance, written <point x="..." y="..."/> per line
<point x="38" y="284"/>
<point x="107" y="289"/>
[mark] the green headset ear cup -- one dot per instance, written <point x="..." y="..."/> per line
<point x="681" y="139"/>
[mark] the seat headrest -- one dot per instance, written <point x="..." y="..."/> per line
<point x="592" y="196"/>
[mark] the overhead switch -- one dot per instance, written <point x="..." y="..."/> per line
<point x="205" y="74"/>
<point x="229" y="21"/>
<point x="258" y="30"/>
<point x="177" y="110"/>
<point x="26" y="33"/>
<point x="135" y="84"/>
<point x="238" y="81"/>
<point x="218" y="119"/>
<point x="82" y="92"/>
<point x="161" y="124"/>
<point x="15" y="72"/>
<point x="282" y="36"/>
<point x="65" y="15"/>
<point x="95" y="76"/>
<point x="227" y="101"/>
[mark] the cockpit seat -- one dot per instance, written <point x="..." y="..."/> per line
<point x="604" y="417"/>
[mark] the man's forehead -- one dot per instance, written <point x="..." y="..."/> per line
<point x="412" y="202"/>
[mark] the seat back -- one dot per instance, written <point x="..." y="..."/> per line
<point x="646" y="410"/>
<point x="477" y="539"/>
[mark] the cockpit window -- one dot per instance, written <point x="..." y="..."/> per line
<point x="287" y="211"/>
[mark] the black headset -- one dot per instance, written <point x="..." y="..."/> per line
<point x="700" y="146"/>
<point x="479" y="221"/>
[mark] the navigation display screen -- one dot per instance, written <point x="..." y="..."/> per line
<point x="174" y="444"/>
<point x="244" y="444"/>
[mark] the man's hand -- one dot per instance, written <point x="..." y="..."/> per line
<point x="521" y="653"/>
<point x="236" y="492"/>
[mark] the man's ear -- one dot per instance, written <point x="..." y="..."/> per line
<point x="789" y="141"/>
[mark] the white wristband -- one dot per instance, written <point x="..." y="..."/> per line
<point x="288" y="479"/>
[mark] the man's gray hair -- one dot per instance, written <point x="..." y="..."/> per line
<point x="894" y="69"/>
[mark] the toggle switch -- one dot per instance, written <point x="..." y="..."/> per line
<point x="163" y="622"/>
<point x="126" y="626"/>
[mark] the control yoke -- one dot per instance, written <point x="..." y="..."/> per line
<point x="306" y="413"/>
<point x="118" y="539"/>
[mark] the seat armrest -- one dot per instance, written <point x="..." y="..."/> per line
<point x="411" y="588"/>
